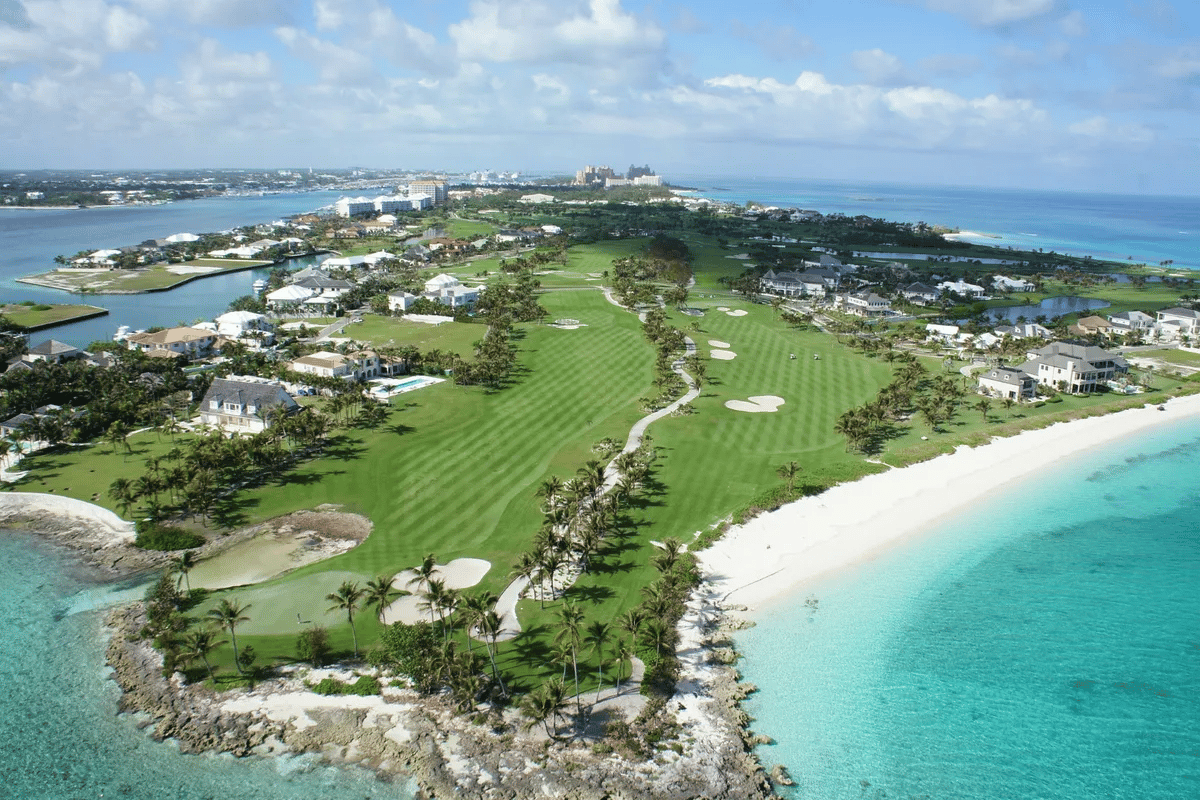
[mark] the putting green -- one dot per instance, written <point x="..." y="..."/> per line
<point x="284" y="606"/>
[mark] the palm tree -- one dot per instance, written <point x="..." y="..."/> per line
<point x="424" y="573"/>
<point x="570" y="618"/>
<point x="598" y="634"/>
<point x="433" y="597"/>
<point x="623" y="653"/>
<point x="788" y="472"/>
<point x="631" y="622"/>
<point x="198" y="643"/>
<point x="491" y="627"/>
<point x="983" y="407"/>
<point x="182" y="566"/>
<point x="228" y="615"/>
<point x="550" y="489"/>
<point x="123" y="493"/>
<point x="665" y="561"/>
<point x="543" y="704"/>
<point x="660" y="635"/>
<point x="348" y="597"/>
<point x="380" y="594"/>
<point x="475" y="606"/>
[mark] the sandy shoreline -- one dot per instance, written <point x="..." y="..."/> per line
<point x="778" y="553"/>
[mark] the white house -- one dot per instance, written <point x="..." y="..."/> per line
<point x="1128" y="321"/>
<point x="920" y="293"/>
<point x="181" y="238"/>
<point x="1073" y="367"/>
<point x="288" y="296"/>
<point x="401" y="301"/>
<point x="865" y="304"/>
<point x="537" y="198"/>
<point x="1175" y="322"/>
<point x="236" y="324"/>
<point x="1026" y="330"/>
<point x="361" y="364"/>
<point x="946" y="334"/>
<point x="100" y="258"/>
<point x="243" y="405"/>
<point x="449" y="291"/>
<point x="1002" y="283"/>
<point x="190" y="342"/>
<point x="961" y="288"/>
<point x="1008" y="382"/>
<point x="52" y="351"/>
<point x="354" y="206"/>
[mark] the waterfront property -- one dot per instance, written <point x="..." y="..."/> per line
<point x="53" y="352"/>
<point x="190" y="342"/>
<point x="1174" y="323"/>
<point x="1074" y="368"/>
<point x="363" y="364"/>
<point x="1008" y="382"/>
<point x="241" y="404"/>
<point x="1129" y="321"/>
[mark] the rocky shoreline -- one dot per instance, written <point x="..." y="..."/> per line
<point x="419" y="739"/>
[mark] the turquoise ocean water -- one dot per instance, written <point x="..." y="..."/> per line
<point x="60" y="735"/>
<point x="1044" y="645"/>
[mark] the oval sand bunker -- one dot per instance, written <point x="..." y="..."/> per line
<point x="718" y="343"/>
<point x="723" y="355"/>
<point x="758" y="404"/>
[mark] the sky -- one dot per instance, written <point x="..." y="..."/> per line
<point x="1103" y="95"/>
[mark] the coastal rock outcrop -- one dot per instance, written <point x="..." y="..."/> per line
<point x="402" y="735"/>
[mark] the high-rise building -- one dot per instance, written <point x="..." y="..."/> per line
<point x="436" y="189"/>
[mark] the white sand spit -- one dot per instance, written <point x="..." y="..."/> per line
<point x="109" y="529"/>
<point x="756" y="405"/>
<point x="184" y="270"/>
<point x="461" y="573"/>
<point x="718" y="343"/>
<point x="778" y="553"/>
<point x="737" y="312"/>
<point x="723" y="355"/>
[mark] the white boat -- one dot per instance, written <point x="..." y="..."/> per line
<point x="259" y="286"/>
<point x="122" y="333"/>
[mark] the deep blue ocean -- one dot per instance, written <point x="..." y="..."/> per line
<point x="1045" y="647"/>
<point x="1148" y="228"/>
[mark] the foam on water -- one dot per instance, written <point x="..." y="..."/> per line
<point x="1044" y="645"/>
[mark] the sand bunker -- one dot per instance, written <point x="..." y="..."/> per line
<point x="723" y="355"/>
<point x="740" y="256"/>
<point x="461" y="573"/>
<point x="722" y="308"/>
<point x="736" y="313"/>
<point x="756" y="405"/>
<point x="718" y="343"/>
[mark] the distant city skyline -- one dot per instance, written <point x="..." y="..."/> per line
<point x="1016" y="93"/>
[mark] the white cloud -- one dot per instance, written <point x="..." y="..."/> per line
<point x="595" y="32"/>
<point x="814" y="109"/>
<point x="992" y="13"/>
<point x="73" y="35"/>
<point x="335" y="63"/>
<point x="1100" y="128"/>
<point x="1181" y="63"/>
<point x="1073" y="24"/>
<point x="879" y="68"/>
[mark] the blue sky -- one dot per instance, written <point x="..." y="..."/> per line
<point x="1043" y="93"/>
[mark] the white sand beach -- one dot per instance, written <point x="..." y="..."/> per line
<point x="776" y="554"/>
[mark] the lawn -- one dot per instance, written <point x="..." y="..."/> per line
<point x="157" y="276"/>
<point x="379" y="331"/>
<point x="32" y="316"/>
<point x="468" y="228"/>
<point x="1181" y="357"/>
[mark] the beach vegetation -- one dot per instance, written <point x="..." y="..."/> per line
<point x="154" y="535"/>
<point x="312" y="645"/>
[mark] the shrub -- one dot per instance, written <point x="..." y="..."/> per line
<point x="312" y="645"/>
<point x="363" y="687"/>
<point x="156" y="536"/>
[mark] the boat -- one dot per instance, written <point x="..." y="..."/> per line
<point x="259" y="286"/>
<point x="122" y="333"/>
